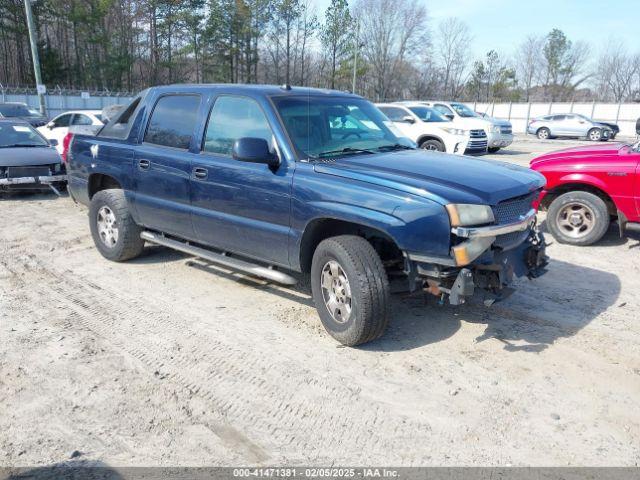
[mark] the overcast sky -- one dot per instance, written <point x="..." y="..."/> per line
<point x="502" y="24"/>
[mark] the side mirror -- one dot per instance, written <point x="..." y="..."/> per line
<point x="53" y="142"/>
<point x="408" y="119"/>
<point x="254" y="150"/>
<point x="449" y="116"/>
<point x="50" y="125"/>
<point x="638" y="127"/>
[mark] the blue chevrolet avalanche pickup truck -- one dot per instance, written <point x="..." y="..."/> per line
<point x="273" y="180"/>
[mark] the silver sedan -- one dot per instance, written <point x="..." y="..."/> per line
<point x="568" y="125"/>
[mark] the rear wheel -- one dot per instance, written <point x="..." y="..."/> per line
<point x="578" y="218"/>
<point x="543" y="133"/>
<point x="350" y="289"/>
<point x="114" y="232"/>
<point x="595" y="135"/>
<point x="433" y="144"/>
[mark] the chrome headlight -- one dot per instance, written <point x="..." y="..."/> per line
<point x="464" y="215"/>
<point x="454" y="131"/>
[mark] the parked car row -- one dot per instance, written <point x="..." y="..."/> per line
<point x="449" y="127"/>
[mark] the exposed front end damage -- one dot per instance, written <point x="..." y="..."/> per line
<point x="484" y="262"/>
<point x="33" y="178"/>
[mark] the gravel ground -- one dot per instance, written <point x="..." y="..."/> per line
<point x="166" y="360"/>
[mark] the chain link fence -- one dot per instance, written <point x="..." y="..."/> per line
<point x="59" y="100"/>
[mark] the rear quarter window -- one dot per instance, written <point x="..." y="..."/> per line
<point x="173" y="121"/>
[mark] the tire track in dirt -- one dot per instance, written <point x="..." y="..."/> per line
<point x="299" y="414"/>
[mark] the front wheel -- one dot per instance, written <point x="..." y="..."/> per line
<point x="578" y="218"/>
<point x="116" y="235"/>
<point x="493" y="149"/>
<point x="595" y="135"/>
<point x="433" y="145"/>
<point x="350" y="289"/>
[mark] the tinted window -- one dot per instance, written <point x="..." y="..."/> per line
<point x="427" y="114"/>
<point x="173" y="121"/>
<point x="80" y="119"/>
<point x="233" y="118"/>
<point x="62" y="121"/>
<point x="558" y="118"/>
<point x="394" y="114"/>
<point x="443" y="109"/>
<point x="14" y="110"/>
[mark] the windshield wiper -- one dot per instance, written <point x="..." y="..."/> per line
<point x="395" y="146"/>
<point x="344" y="151"/>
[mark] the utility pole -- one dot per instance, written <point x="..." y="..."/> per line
<point x="33" y="39"/>
<point x="356" y="45"/>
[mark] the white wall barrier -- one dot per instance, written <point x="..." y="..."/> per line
<point x="519" y="114"/>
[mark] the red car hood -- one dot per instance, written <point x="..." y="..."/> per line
<point x="602" y="152"/>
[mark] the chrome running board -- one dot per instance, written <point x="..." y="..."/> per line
<point x="220" y="258"/>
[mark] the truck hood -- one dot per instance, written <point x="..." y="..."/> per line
<point x="474" y="123"/>
<point x="602" y="151"/>
<point x="438" y="176"/>
<point x="30" y="156"/>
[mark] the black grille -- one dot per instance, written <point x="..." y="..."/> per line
<point x="477" y="134"/>
<point x="17" y="172"/>
<point x="506" y="130"/>
<point x="510" y="210"/>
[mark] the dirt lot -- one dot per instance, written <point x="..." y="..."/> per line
<point x="168" y="361"/>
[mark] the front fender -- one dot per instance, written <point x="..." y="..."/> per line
<point x="584" y="178"/>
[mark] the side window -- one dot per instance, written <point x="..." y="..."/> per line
<point x="443" y="109"/>
<point x="80" y="119"/>
<point x="173" y="121"/>
<point x="62" y="121"/>
<point x="394" y="114"/>
<point x="559" y="118"/>
<point x="233" y="118"/>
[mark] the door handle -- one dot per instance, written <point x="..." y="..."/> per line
<point x="200" y="173"/>
<point x="144" y="164"/>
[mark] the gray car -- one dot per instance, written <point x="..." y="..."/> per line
<point x="571" y="125"/>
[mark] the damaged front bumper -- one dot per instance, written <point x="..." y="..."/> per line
<point x="477" y="266"/>
<point x="31" y="182"/>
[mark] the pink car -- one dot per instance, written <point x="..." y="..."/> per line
<point x="589" y="186"/>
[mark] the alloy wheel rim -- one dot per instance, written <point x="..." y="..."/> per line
<point x="429" y="146"/>
<point x="576" y="220"/>
<point x="595" y="135"/>
<point x="543" y="134"/>
<point x="107" y="226"/>
<point x="336" y="291"/>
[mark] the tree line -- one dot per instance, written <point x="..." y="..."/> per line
<point x="391" y="49"/>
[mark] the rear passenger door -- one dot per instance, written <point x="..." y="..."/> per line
<point x="238" y="206"/>
<point x="162" y="165"/>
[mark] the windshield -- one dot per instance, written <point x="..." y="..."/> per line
<point x="462" y="110"/>
<point x="427" y="114"/>
<point x="17" y="110"/>
<point x="322" y="127"/>
<point x="12" y="135"/>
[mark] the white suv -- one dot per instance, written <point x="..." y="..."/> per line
<point x="425" y="126"/>
<point x="499" y="132"/>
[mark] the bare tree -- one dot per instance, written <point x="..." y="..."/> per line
<point x="528" y="62"/>
<point x="391" y="33"/>
<point x="453" y="52"/>
<point x="617" y="70"/>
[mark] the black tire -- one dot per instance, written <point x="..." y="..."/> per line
<point x="369" y="287"/>
<point x="543" y="133"/>
<point x="128" y="244"/>
<point x="595" y="134"/>
<point x="493" y="149"/>
<point x="433" y="145"/>
<point x="590" y="205"/>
